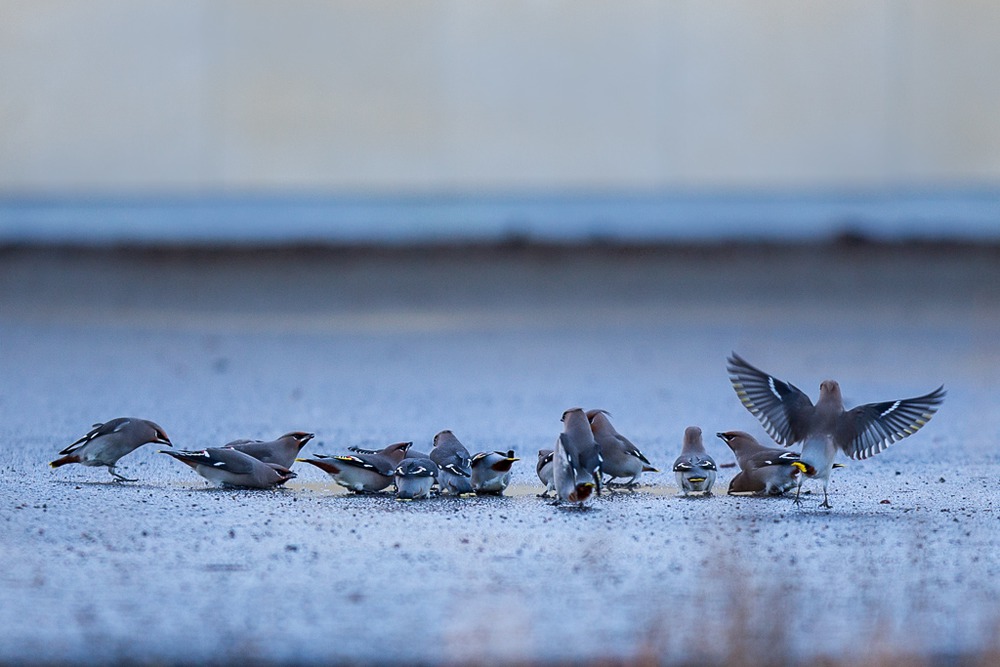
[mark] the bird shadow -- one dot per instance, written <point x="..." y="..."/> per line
<point x="699" y="497"/>
<point x="109" y="484"/>
<point x="574" y="508"/>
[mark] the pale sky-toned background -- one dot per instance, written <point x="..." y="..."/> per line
<point x="891" y="101"/>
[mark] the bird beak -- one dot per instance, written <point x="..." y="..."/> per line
<point x="162" y="439"/>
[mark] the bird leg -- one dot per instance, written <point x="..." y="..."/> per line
<point x="119" y="478"/>
<point x="798" y="491"/>
<point x="826" y="501"/>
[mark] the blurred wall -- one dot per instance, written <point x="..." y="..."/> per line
<point x="195" y="96"/>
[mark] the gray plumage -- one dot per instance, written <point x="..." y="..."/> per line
<point x="366" y="472"/>
<point x="576" y="463"/>
<point x="106" y="443"/>
<point x="360" y="473"/>
<point x="544" y="471"/>
<point x="765" y="470"/>
<point x="454" y="462"/>
<point x="694" y="468"/>
<point x="230" y="467"/>
<point x="620" y="459"/>
<point x="826" y="428"/>
<point x="396" y="451"/>
<point x="281" y="451"/>
<point x="414" y="478"/>
<point x="415" y="454"/>
<point x="491" y="471"/>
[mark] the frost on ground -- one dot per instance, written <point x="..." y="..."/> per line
<point x="370" y="348"/>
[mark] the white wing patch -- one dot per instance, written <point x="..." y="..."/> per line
<point x="892" y="408"/>
<point x="774" y="390"/>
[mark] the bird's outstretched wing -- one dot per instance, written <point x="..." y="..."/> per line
<point x="783" y="409"/>
<point x="868" y="429"/>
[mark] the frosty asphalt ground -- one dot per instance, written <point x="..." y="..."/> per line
<point x="368" y="348"/>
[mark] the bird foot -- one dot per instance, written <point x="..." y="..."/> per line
<point x="121" y="478"/>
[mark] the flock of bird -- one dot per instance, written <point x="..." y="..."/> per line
<point x="588" y="455"/>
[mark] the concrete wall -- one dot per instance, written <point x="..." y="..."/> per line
<point x="196" y="96"/>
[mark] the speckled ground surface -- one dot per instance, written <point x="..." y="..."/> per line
<point x="374" y="347"/>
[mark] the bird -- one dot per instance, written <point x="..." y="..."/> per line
<point x="619" y="457"/>
<point x="364" y="472"/>
<point x="281" y="451"/>
<point x="576" y="462"/>
<point x="826" y="428"/>
<point x="453" y="459"/>
<point x="694" y="468"/>
<point x="767" y="470"/>
<point x="230" y="467"/>
<point x="491" y="472"/>
<point x="544" y="471"/>
<point x="106" y="443"/>
<point x="414" y="478"/>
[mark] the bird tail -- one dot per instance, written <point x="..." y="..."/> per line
<point x="649" y="469"/>
<point x="69" y="458"/>
<point x="581" y="492"/>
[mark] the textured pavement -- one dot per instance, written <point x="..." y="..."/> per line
<point x="372" y="347"/>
